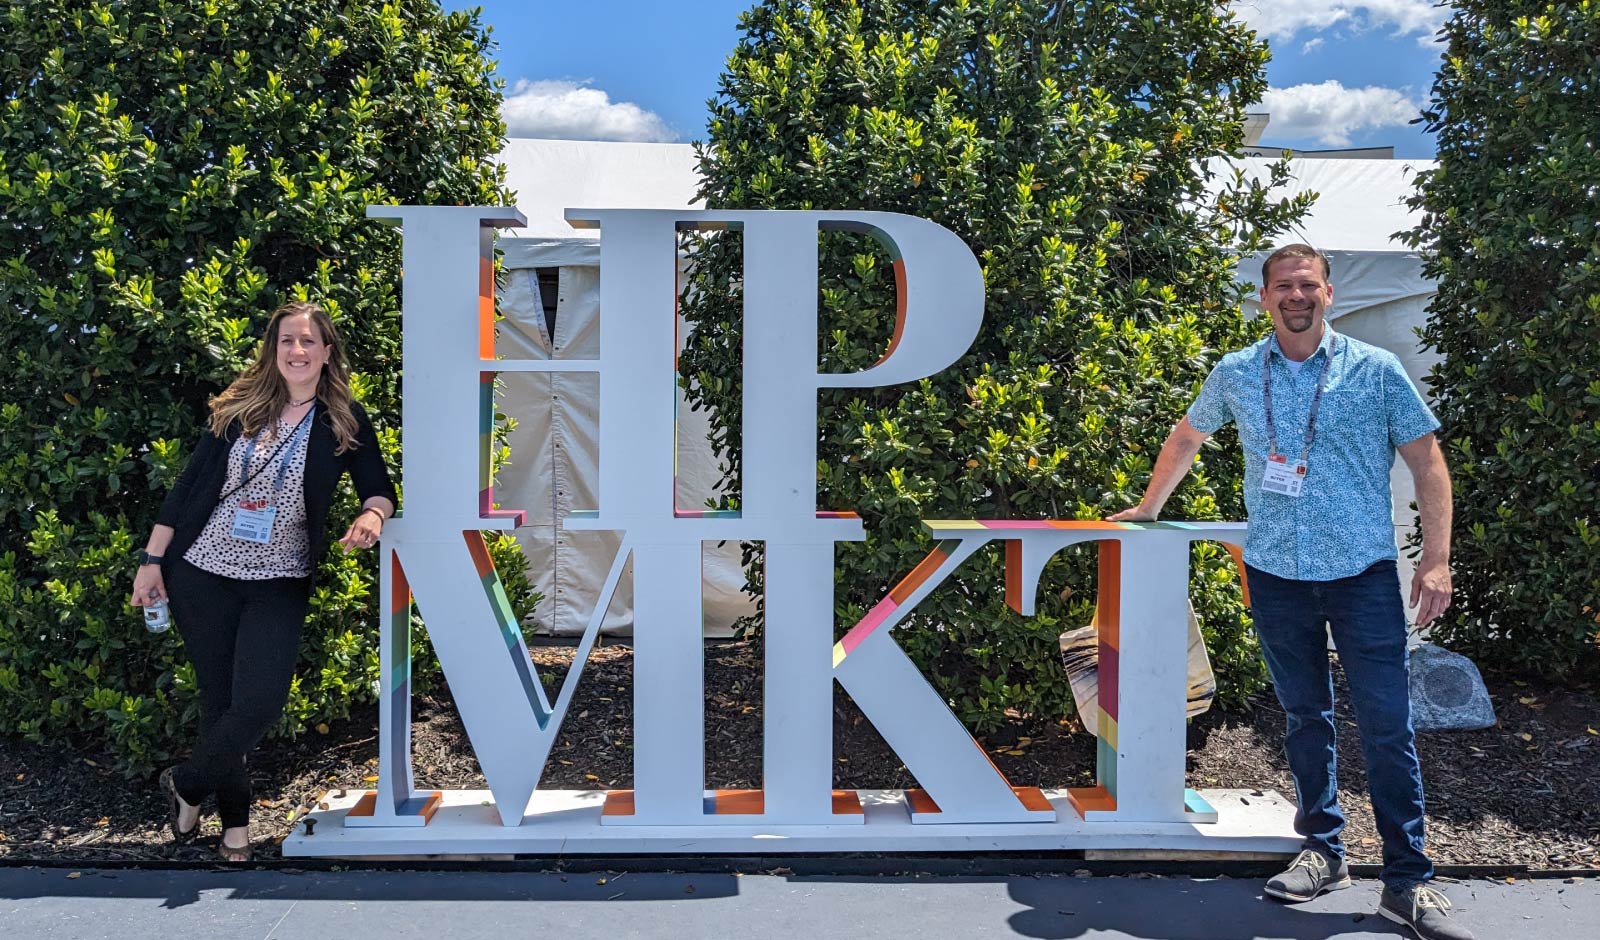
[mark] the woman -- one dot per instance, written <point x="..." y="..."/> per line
<point x="237" y="540"/>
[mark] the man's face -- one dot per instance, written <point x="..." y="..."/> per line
<point x="1297" y="295"/>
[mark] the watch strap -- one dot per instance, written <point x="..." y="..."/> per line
<point x="145" y="558"/>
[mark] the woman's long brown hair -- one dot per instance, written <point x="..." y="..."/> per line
<point x="259" y="394"/>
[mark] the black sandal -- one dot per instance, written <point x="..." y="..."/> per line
<point x="234" y="855"/>
<point x="174" y="804"/>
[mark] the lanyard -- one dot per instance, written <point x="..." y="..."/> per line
<point x="1316" y="399"/>
<point x="293" y="442"/>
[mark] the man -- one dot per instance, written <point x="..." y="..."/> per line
<point x="1320" y="417"/>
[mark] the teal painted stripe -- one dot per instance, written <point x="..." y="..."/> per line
<point x="1195" y="803"/>
<point x="400" y="647"/>
<point x="485" y="407"/>
<point x="1106" y="761"/>
<point x="511" y="634"/>
<point x="501" y="605"/>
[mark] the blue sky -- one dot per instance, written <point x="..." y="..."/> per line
<point x="1343" y="74"/>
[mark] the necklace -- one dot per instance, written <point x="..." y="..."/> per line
<point x="296" y="404"/>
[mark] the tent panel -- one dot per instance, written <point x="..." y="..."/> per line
<point x="554" y="465"/>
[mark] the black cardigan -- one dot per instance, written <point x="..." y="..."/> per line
<point x="188" y="506"/>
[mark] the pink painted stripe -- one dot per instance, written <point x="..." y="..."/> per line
<point x="1015" y="524"/>
<point x="874" y="618"/>
<point x="486" y="508"/>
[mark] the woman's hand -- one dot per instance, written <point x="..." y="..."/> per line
<point x="148" y="586"/>
<point x="364" y="531"/>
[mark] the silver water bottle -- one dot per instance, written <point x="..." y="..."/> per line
<point x="157" y="617"/>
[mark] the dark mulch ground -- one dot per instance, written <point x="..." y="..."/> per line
<point x="1526" y="792"/>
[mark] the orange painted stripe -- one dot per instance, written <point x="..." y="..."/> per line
<point x="1090" y="524"/>
<point x="847" y="803"/>
<point x="922" y="572"/>
<point x="618" y="803"/>
<point x="485" y="307"/>
<point x="399" y="587"/>
<point x="921" y="802"/>
<point x="997" y="771"/>
<point x="480" y="553"/>
<point x="1091" y="799"/>
<point x="1033" y="799"/>
<point x="740" y="802"/>
<point x="1014" y="574"/>
<point x="1109" y="592"/>
<point x="369" y="803"/>
<point x="899" y="308"/>
<point x="1238" y="559"/>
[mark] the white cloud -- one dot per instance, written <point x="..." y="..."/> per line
<point x="1329" y="112"/>
<point x="1282" y="19"/>
<point x="574" y="111"/>
<point x="1310" y="45"/>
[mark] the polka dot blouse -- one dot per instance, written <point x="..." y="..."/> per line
<point x="288" y="553"/>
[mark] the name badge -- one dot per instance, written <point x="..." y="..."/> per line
<point x="252" y="522"/>
<point x="1284" y="476"/>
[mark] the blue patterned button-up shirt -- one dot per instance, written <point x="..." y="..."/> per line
<point x="1343" y="520"/>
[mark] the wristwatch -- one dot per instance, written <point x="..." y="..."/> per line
<point x="145" y="558"/>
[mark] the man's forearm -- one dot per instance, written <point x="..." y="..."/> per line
<point x="1172" y="464"/>
<point x="1434" y="505"/>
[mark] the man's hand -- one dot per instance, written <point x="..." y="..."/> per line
<point x="1430" y="587"/>
<point x="1139" y="513"/>
<point x="1171" y="464"/>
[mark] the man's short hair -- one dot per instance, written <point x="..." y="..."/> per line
<point x="1297" y="250"/>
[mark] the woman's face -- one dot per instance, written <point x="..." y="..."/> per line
<point x="301" y="351"/>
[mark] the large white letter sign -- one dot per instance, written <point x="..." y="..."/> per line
<point x="937" y="320"/>
<point x="434" y="552"/>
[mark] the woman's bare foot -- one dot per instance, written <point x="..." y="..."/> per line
<point x="182" y="818"/>
<point x="188" y="816"/>
<point x="235" y="844"/>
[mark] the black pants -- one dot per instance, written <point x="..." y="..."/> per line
<point x="243" y="638"/>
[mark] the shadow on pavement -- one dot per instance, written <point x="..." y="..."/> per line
<point x="1180" y="909"/>
<point x="182" y="888"/>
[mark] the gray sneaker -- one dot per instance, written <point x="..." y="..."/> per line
<point x="1424" y="910"/>
<point x="1310" y="874"/>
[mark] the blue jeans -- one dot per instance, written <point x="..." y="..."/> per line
<point x="1368" y="622"/>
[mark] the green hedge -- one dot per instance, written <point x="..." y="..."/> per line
<point x="1511" y="233"/>
<point x="1068" y="145"/>
<point x="171" y="170"/>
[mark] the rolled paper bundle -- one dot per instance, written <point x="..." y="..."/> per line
<point x="1080" y="654"/>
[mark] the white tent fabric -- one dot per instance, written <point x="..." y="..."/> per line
<point x="551" y="176"/>
<point x="1379" y="293"/>
<point x="1380" y="296"/>
<point x="1360" y="207"/>
<point x="554" y="446"/>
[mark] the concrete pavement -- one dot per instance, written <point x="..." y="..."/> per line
<point x="53" y="904"/>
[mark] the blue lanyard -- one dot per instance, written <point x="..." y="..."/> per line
<point x="1316" y="399"/>
<point x="301" y="432"/>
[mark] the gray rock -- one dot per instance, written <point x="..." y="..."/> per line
<point x="1447" y="693"/>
